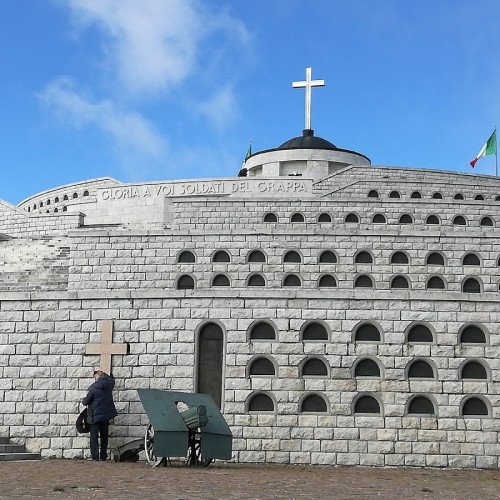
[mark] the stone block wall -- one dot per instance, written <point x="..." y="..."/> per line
<point x="34" y="264"/>
<point x="407" y="181"/>
<point x="44" y="372"/>
<point x="60" y="280"/>
<point x="15" y="222"/>
<point x="120" y="261"/>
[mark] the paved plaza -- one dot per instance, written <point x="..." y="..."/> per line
<point x="107" y="480"/>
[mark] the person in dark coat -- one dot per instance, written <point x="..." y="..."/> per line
<point x="100" y="409"/>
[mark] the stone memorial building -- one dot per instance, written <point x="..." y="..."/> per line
<point x="337" y="312"/>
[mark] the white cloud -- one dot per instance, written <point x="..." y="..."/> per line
<point x="154" y="44"/>
<point x="221" y="109"/>
<point x="150" y="47"/>
<point x="129" y="131"/>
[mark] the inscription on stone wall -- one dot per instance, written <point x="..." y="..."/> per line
<point x="205" y="188"/>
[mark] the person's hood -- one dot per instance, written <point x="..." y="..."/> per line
<point x="104" y="382"/>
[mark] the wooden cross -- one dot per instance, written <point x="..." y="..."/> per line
<point x="308" y="84"/>
<point x="106" y="348"/>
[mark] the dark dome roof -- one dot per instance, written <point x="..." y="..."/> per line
<point x="308" y="141"/>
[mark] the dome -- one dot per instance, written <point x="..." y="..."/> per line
<point x="308" y="141"/>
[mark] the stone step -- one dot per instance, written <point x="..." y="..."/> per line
<point x="11" y="457"/>
<point x="10" y="452"/>
<point x="12" y="448"/>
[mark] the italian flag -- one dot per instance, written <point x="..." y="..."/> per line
<point x="490" y="148"/>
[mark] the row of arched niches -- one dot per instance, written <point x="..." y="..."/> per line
<point x="369" y="332"/>
<point x="421" y="369"/>
<point x="435" y="195"/>
<point x="57" y="203"/>
<point x="432" y="259"/>
<point x="370" y="404"/>
<point x="380" y="218"/>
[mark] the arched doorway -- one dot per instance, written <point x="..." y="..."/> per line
<point x="209" y="361"/>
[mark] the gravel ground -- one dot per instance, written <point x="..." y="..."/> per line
<point x="107" y="480"/>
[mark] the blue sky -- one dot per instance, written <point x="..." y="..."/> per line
<point x="166" y="89"/>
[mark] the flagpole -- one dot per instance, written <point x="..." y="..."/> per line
<point x="496" y="153"/>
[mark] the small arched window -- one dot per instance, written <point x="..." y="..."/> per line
<point x="256" y="280"/>
<point x="314" y="332"/>
<point x="420" y="369"/>
<point x="367" y="368"/>
<point x="65" y="209"/>
<point x="221" y="280"/>
<point x="41" y="204"/>
<point x="86" y="193"/>
<point x="471" y="285"/>
<point x="406" y="219"/>
<point x="458" y="196"/>
<point x="399" y="258"/>
<point x="75" y="195"/>
<point x="486" y="222"/>
<point x="55" y="210"/>
<point x="185" y="282"/>
<point x="367" y="333"/>
<point x="256" y="256"/>
<point x="297" y="217"/>
<point x="314" y="367"/>
<point x="400" y="282"/>
<point x="48" y="202"/>
<point x="472" y="334"/>
<point x="260" y="402"/>
<point x="56" y="199"/>
<point x="313" y="404"/>
<point x="262" y="331"/>
<point x="416" y="194"/>
<point x="479" y="197"/>
<point x="221" y="256"/>
<point x="379" y="219"/>
<point x="473" y="370"/>
<point x="420" y="334"/>
<point x="327" y="257"/>
<point x="471" y="259"/>
<point x="363" y="281"/>
<point x="363" y="258"/>
<point x="497" y="197"/>
<point x="474" y="407"/>
<point x="434" y="259"/>
<point x="270" y="217"/>
<point x="373" y="194"/>
<point x="421" y="405"/>
<point x="459" y="220"/>
<point x="436" y="283"/>
<point x="352" y="218"/>
<point x="186" y="257"/>
<point x="367" y="404"/>
<point x="292" y="257"/>
<point x="394" y="194"/>
<point x="437" y="196"/>
<point x="327" y="281"/>
<point x="261" y="367"/>
<point x="324" y="217"/>
<point x="65" y="197"/>
<point x="292" y="280"/>
<point x="432" y="219"/>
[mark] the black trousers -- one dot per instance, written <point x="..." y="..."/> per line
<point x="99" y="431"/>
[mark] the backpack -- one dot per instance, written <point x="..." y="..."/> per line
<point x="82" y="426"/>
